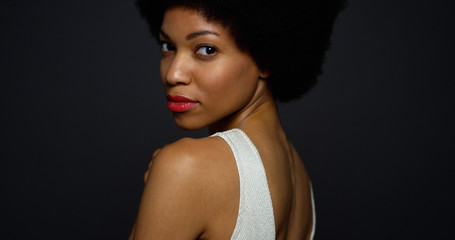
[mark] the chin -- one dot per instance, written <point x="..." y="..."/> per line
<point x="189" y="128"/>
<point x="187" y="125"/>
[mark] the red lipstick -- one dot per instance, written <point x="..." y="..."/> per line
<point x="179" y="103"/>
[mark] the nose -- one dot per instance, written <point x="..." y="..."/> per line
<point x="176" y="70"/>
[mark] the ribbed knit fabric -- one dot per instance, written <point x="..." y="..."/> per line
<point x="255" y="220"/>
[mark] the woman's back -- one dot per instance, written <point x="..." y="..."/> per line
<point x="288" y="183"/>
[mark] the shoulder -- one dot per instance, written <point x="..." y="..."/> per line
<point x="195" y="161"/>
<point x="189" y="181"/>
<point x="189" y="154"/>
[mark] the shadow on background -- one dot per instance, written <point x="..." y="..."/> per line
<point x="83" y="111"/>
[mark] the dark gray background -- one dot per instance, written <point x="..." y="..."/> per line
<point x="83" y="110"/>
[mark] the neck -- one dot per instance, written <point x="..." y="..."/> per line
<point x="260" y="112"/>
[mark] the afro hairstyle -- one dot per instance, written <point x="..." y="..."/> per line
<point x="288" y="39"/>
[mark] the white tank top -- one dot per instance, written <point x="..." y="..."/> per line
<point x="255" y="220"/>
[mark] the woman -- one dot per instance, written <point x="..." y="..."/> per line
<point x="224" y="65"/>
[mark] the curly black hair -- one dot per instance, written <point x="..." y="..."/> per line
<point x="288" y="38"/>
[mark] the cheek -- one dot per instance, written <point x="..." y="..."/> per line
<point x="232" y="79"/>
<point x="164" y="65"/>
<point x="162" y="71"/>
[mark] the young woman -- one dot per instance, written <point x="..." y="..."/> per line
<point x="224" y="65"/>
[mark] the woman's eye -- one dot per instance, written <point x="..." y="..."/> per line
<point x="167" y="47"/>
<point x="206" y="50"/>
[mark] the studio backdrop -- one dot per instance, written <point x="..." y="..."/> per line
<point x="83" y="110"/>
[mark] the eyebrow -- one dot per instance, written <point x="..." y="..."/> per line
<point x="200" y="33"/>
<point x="191" y="35"/>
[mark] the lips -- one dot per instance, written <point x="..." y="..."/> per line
<point x="179" y="103"/>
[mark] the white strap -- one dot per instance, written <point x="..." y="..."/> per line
<point x="255" y="218"/>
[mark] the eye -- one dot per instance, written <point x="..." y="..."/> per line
<point x="206" y="50"/>
<point x="167" y="47"/>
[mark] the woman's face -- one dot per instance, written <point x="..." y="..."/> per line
<point x="206" y="77"/>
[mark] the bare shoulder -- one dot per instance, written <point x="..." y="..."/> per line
<point x="196" y="147"/>
<point x="207" y="163"/>
<point x="183" y="188"/>
<point x="192" y="155"/>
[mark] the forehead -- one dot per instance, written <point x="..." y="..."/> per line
<point x="181" y="20"/>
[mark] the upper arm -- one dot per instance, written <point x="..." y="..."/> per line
<point x="146" y="174"/>
<point x="173" y="204"/>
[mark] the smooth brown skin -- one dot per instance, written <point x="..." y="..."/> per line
<point x="192" y="185"/>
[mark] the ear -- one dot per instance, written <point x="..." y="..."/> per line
<point x="263" y="74"/>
